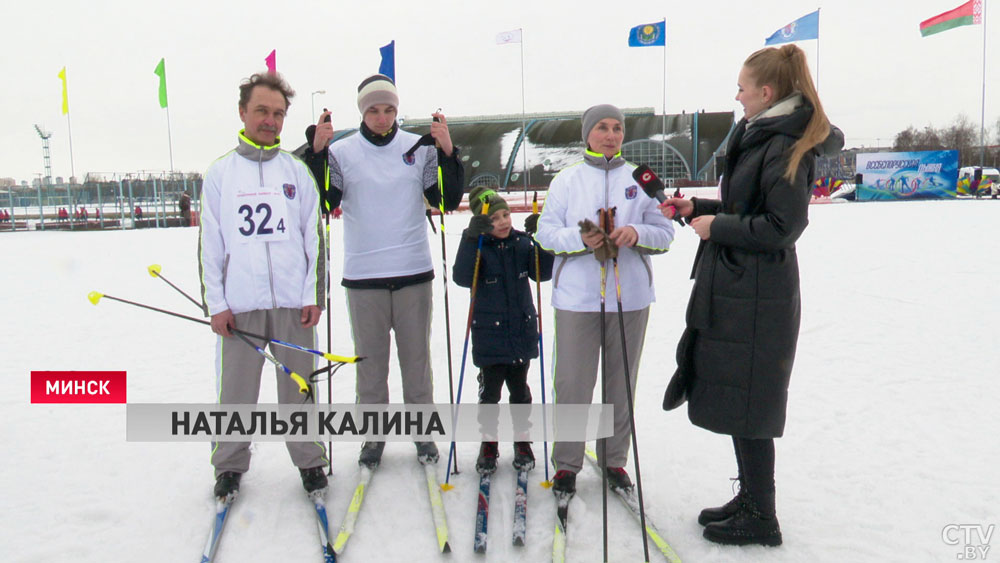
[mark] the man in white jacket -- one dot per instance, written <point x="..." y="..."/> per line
<point x="602" y="181"/>
<point x="381" y="178"/>
<point x="262" y="261"/>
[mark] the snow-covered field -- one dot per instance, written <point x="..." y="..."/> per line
<point x="893" y="401"/>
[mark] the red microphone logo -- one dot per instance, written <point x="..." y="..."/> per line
<point x="646" y="177"/>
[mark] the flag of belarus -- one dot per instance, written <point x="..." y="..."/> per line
<point x="970" y="13"/>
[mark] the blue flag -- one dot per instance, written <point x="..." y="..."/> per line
<point x="648" y="35"/>
<point x="388" y="66"/>
<point x="806" y="27"/>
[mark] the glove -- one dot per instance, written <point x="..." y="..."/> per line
<point x="479" y="225"/>
<point x="606" y="251"/>
<point x="531" y="224"/>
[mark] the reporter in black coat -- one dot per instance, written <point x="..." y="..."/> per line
<point x="734" y="361"/>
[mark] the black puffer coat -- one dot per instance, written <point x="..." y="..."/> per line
<point x="737" y="352"/>
<point x="504" y="321"/>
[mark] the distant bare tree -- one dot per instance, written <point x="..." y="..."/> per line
<point x="962" y="136"/>
<point x="905" y="140"/>
<point x="928" y="140"/>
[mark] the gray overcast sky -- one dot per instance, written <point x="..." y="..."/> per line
<point x="876" y="74"/>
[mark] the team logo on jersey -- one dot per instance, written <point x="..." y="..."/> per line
<point x="409" y="159"/>
<point x="289" y="190"/>
<point x="631" y="191"/>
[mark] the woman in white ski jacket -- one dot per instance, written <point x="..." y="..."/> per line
<point x="602" y="181"/>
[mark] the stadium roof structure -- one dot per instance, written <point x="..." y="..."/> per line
<point x="496" y="152"/>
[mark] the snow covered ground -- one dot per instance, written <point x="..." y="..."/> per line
<point x="893" y="396"/>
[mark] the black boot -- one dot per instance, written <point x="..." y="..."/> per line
<point x="618" y="480"/>
<point x="564" y="483"/>
<point x="488" y="454"/>
<point x="227" y="483"/>
<point x="748" y="526"/>
<point x="313" y="479"/>
<point x="371" y="454"/>
<point x="720" y="513"/>
<point x="524" y="458"/>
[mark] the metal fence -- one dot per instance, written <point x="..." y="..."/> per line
<point x="127" y="201"/>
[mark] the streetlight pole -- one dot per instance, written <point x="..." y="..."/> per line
<point x="313" y="102"/>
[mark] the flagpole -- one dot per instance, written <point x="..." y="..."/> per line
<point x="72" y="168"/>
<point x="817" y="50"/>
<point x="982" y="114"/>
<point x="524" y="132"/>
<point x="170" y="143"/>
<point x="663" y="118"/>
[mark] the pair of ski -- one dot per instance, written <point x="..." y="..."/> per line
<point x="223" y="506"/>
<point x="628" y="499"/>
<point x="433" y="492"/>
<point x="483" y="510"/>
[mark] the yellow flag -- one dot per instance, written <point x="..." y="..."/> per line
<point x="65" y="106"/>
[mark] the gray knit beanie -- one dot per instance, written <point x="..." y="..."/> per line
<point x="597" y="113"/>
<point x="377" y="89"/>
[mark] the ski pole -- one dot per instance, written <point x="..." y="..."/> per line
<point x="468" y="330"/>
<point x="304" y="387"/>
<point x="329" y="315"/>
<point x="95" y="296"/>
<point x="447" y="311"/>
<point x="631" y="413"/>
<point x="155" y="271"/>
<point x="605" y="221"/>
<point x="541" y="353"/>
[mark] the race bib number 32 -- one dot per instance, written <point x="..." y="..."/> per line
<point x="261" y="215"/>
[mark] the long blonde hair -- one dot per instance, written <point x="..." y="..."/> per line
<point x="785" y="70"/>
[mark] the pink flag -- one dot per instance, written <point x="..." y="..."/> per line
<point x="272" y="65"/>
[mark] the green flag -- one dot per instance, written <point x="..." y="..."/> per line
<point x="161" y="71"/>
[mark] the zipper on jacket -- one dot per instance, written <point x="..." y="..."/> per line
<point x="267" y="245"/>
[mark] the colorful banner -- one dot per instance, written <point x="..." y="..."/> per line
<point x="970" y="13"/>
<point x="907" y="175"/>
<point x="271" y="60"/>
<point x="648" y="35"/>
<point x="65" y="104"/>
<point x="161" y="71"/>
<point x="388" y="65"/>
<point x="806" y="27"/>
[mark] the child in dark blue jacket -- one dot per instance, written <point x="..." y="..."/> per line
<point x="504" y="320"/>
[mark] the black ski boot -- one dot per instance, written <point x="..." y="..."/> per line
<point x="524" y="458"/>
<point x="488" y="454"/>
<point x="749" y="526"/>
<point x="618" y="480"/>
<point x="720" y="513"/>
<point x="313" y="479"/>
<point x="427" y="452"/>
<point x="226" y="484"/>
<point x="564" y="483"/>
<point x="371" y="454"/>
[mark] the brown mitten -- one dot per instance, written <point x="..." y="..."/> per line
<point x="606" y="251"/>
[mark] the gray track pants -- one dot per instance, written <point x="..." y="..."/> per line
<point x="407" y="313"/>
<point x="238" y="369"/>
<point x="576" y="366"/>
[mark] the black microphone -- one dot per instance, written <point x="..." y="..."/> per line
<point x="653" y="187"/>
<point x="649" y="182"/>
